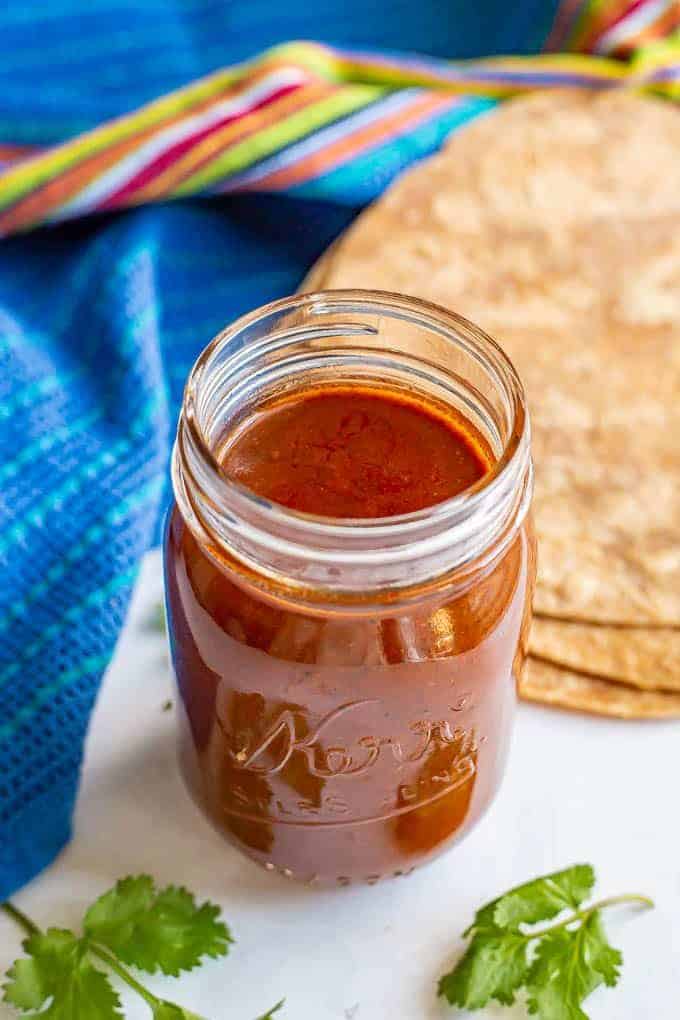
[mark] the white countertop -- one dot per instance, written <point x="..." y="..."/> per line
<point x="577" y="789"/>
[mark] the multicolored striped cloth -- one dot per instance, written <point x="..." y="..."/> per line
<point x="299" y="112"/>
<point x="101" y="317"/>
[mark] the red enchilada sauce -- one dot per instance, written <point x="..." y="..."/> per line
<point x="355" y="453"/>
<point x="333" y="745"/>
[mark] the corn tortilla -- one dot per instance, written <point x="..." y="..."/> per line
<point x="551" y="685"/>
<point x="648" y="659"/>
<point x="554" y="223"/>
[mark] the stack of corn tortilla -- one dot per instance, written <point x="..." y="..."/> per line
<point x="554" y="223"/>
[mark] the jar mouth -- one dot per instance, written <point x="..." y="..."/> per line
<point x="267" y="347"/>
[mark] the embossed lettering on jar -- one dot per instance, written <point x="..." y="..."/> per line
<point x="346" y="633"/>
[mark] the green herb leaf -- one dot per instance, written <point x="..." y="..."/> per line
<point x="538" y="900"/>
<point x="559" y="965"/>
<point x="495" y="964"/>
<point x="493" y="967"/>
<point x="153" y="930"/>
<point x="57" y="974"/>
<point x="114" y="917"/>
<point x="569" y="965"/>
<point x="544" y="898"/>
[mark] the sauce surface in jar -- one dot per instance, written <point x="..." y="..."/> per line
<point x="354" y="453"/>
<point x="327" y="744"/>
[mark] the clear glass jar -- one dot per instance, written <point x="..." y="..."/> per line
<point x="348" y="686"/>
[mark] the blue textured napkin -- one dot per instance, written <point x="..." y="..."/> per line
<point x="101" y="319"/>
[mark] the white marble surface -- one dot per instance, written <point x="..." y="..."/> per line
<point x="577" y="789"/>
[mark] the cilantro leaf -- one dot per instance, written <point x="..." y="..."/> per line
<point x="568" y="966"/>
<point x="495" y="964"/>
<point x="544" y="898"/>
<point x="57" y="974"/>
<point x="537" y="900"/>
<point x="493" y="967"/>
<point x="558" y="965"/>
<point x="112" y="919"/>
<point x="154" y="930"/>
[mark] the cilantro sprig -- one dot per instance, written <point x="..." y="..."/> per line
<point x="558" y="966"/>
<point x="137" y="925"/>
<point x="133" y="925"/>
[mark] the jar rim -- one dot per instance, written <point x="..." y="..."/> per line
<point x="342" y="525"/>
<point x="346" y="540"/>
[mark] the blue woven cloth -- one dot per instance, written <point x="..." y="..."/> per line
<point x="101" y="319"/>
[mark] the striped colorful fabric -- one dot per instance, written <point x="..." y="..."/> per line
<point x="102" y="316"/>
<point x="293" y="115"/>
<point x="616" y="28"/>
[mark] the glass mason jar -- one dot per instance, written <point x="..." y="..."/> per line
<point x="347" y="686"/>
